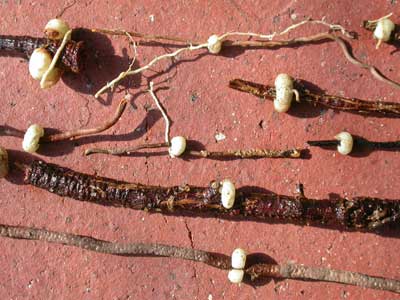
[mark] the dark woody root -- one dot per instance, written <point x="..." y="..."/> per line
<point x="333" y="102"/>
<point x="362" y="213"/>
<point x="72" y="57"/>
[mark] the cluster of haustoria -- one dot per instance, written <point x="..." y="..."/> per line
<point x="238" y="263"/>
<point x="41" y="65"/>
<point x="177" y="147"/>
<point x="32" y="137"/>
<point x="383" y="30"/>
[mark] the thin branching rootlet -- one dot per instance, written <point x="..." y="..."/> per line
<point x="216" y="42"/>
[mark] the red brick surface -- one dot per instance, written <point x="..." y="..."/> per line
<point x="36" y="270"/>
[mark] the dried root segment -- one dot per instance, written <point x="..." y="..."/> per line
<point x="229" y="154"/>
<point x="137" y="249"/>
<point x="294" y="271"/>
<point x="358" y="213"/>
<point x="71" y="58"/>
<point x="65" y="182"/>
<point x="251" y="153"/>
<point x="330" y="101"/>
<point x="220" y="261"/>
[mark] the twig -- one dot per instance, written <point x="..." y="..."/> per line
<point x="220" y="261"/>
<point x="88" y="131"/>
<point x="358" y="213"/>
<point x="221" y="38"/>
<point x="330" y="101"/>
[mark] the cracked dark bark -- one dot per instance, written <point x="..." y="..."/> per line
<point x="329" y="101"/>
<point x="357" y="213"/>
<point x="71" y="59"/>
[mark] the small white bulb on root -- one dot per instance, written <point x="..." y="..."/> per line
<point x="39" y="63"/>
<point x="236" y="276"/>
<point x="178" y="146"/>
<point x="214" y="44"/>
<point x="31" y="138"/>
<point x="383" y="31"/>
<point x="346" y="142"/>
<point x="3" y="162"/>
<point x="228" y="193"/>
<point x="238" y="258"/>
<point x="55" y="29"/>
<point x="284" y="93"/>
<point x="52" y="75"/>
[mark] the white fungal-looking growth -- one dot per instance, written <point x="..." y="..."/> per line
<point x="39" y="63"/>
<point x="383" y="31"/>
<point x="55" y="29"/>
<point x="178" y="146"/>
<point x="236" y="276"/>
<point x="228" y="193"/>
<point x="238" y="258"/>
<point x="49" y="77"/>
<point x="3" y="162"/>
<point x="284" y="93"/>
<point x="31" y="138"/>
<point x="346" y="142"/>
<point x="42" y="66"/>
<point x="214" y="44"/>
